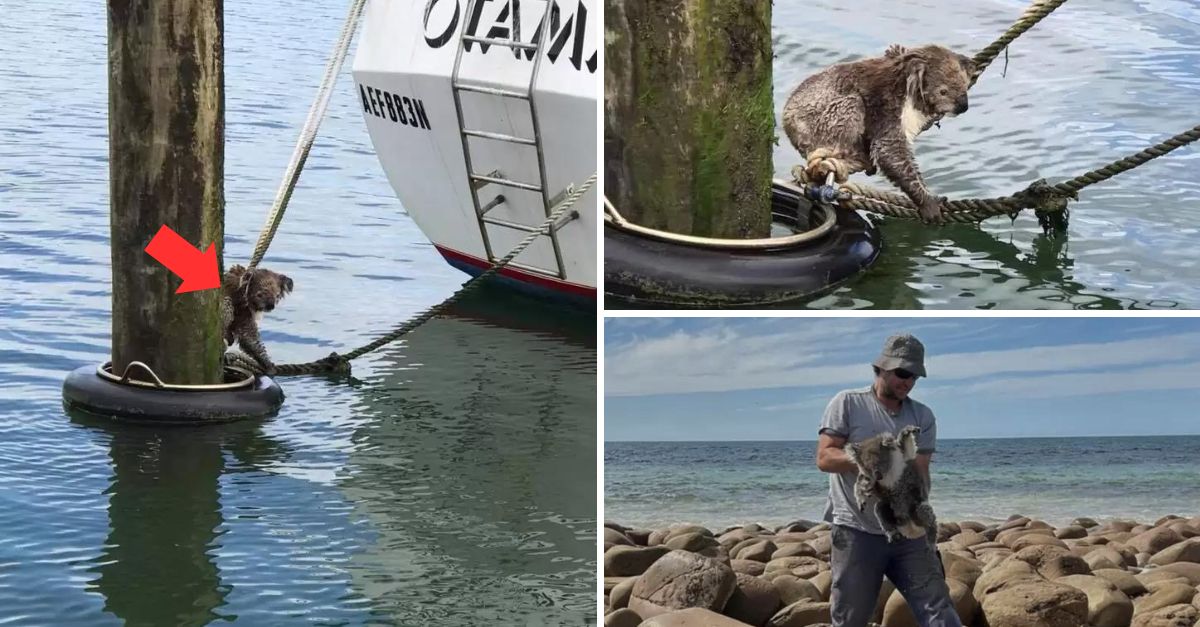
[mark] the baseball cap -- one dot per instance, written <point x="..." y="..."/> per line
<point x="902" y="351"/>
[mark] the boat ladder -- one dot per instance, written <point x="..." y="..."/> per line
<point x="480" y="180"/>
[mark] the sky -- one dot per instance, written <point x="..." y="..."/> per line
<point x="771" y="378"/>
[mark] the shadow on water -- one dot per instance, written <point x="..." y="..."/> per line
<point x="157" y="566"/>
<point x="477" y="468"/>
<point x="969" y="262"/>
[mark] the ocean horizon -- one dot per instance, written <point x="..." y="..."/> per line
<point x="1055" y="479"/>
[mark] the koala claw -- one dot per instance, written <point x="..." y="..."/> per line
<point x="931" y="212"/>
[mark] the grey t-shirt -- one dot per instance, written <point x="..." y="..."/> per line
<point x="858" y="415"/>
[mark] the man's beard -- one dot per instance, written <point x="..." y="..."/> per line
<point x="890" y="394"/>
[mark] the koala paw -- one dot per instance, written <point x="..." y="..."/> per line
<point x="909" y="430"/>
<point x="931" y="211"/>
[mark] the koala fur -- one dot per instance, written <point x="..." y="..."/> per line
<point x="867" y="114"/>
<point x="886" y="471"/>
<point x="247" y="294"/>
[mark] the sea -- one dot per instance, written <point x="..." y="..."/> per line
<point x="1093" y="82"/>
<point x="450" y="481"/>
<point x="719" y="484"/>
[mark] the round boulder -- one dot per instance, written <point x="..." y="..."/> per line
<point x="1107" y="606"/>
<point x="801" y="614"/>
<point x="693" y="617"/>
<point x="619" y="597"/>
<point x="1170" y="616"/>
<point x="760" y="551"/>
<point x="1052" y="562"/>
<point x="1168" y="594"/>
<point x="1045" y="604"/>
<point x="748" y="567"/>
<point x="622" y="618"/>
<point x="1186" y="551"/>
<point x="753" y="600"/>
<point x="627" y="561"/>
<point x="1154" y="540"/>
<point x="679" y="580"/>
<point x="794" y="549"/>
<point x="792" y="589"/>
<point x="693" y="541"/>
<point x="1123" y="580"/>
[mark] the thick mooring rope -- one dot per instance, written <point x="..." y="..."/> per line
<point x="1044" y="198"/>
<point x="316" y="114"/>
<point x="1032" y="15"/>
<point x="341" y="363"/>
<point x="1039" y="195"/>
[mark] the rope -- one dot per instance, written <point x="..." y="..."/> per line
<point x="315" y="115"/>
<point x="1032" y="15"/>
<point x="341" y="363"/>
<point x="1039" y="195"/>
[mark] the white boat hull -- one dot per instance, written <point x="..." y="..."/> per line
<point x="403" y="73"/>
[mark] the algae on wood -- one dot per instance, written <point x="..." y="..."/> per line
<point x="167" y="160"/>
<point x="689" y="118"/>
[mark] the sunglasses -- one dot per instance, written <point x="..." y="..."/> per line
<point x="901" y="373"/>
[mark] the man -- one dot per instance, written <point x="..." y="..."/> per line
<point x="862" y="555"/>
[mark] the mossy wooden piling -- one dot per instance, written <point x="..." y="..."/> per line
<point x="167" y="159"/>
<point x="689" y="117"/>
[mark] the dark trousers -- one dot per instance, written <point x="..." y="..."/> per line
<point x="861" y="560"/>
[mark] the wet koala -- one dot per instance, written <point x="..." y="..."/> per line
<point x="866" y="115"/>
<point x="886" y="471"/>
<point x="247" y="294"/>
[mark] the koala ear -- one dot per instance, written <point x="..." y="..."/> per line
<point x="966" y="63"/>
<point x="914" y="67"/>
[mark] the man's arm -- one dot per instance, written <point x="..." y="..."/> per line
<point x="831" y="454"/>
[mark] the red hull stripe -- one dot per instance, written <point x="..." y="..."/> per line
<point x="520" y="275"/>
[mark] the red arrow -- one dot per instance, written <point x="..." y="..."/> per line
<point x="197" y="269"/>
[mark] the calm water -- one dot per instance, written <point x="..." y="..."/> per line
<point x="451" y="482"/>
<point x="1093" y="82"/>
<point x="1055" y="479"/>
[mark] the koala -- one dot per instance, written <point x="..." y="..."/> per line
<point x="247" y="294"/>
<point x="866" y="114"/>
<point x="886" y="472"/>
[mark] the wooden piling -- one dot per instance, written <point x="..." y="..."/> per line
<point x="688" y="113"/>
<point x="166" y="161"/>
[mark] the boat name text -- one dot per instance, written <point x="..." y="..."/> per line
<point x="507" y="26"/>
<point x="389" y="106"/>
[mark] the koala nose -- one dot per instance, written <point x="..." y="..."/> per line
<point x="287" y="284"/>
<point x="960" y="106"/>
<point x="270" y="307"/>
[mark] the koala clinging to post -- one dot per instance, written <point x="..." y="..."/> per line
<point x="864" y="116"/>
<point x="247" y="294"/>
<point x="886" y="471"/>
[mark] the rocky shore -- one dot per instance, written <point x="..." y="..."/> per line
<point x="1020" y="573"/>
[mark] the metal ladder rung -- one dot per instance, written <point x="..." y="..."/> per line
<point x="500" y="137"/>
<point x="500" y="42"/>
<point x="553" y="228"/>
<point x="514" y="225"/>
<point x="492" y="91"/>
<point x="506" y="182"/>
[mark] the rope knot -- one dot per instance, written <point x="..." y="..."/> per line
<point x="1044" y="197"/>
<point x="1049" y="204"/>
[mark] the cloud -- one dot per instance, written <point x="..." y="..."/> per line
<point x="722" y="357"/>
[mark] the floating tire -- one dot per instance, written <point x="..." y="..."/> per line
<point x="643" y="270"/>
<point x="87" y="389"/>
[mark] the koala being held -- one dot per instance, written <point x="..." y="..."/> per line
<point x="886" y="472"/>
<point x="867" y="113"/>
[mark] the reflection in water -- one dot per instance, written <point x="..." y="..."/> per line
<point x="484" y="497"/>
<point x="157" y="567"/>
